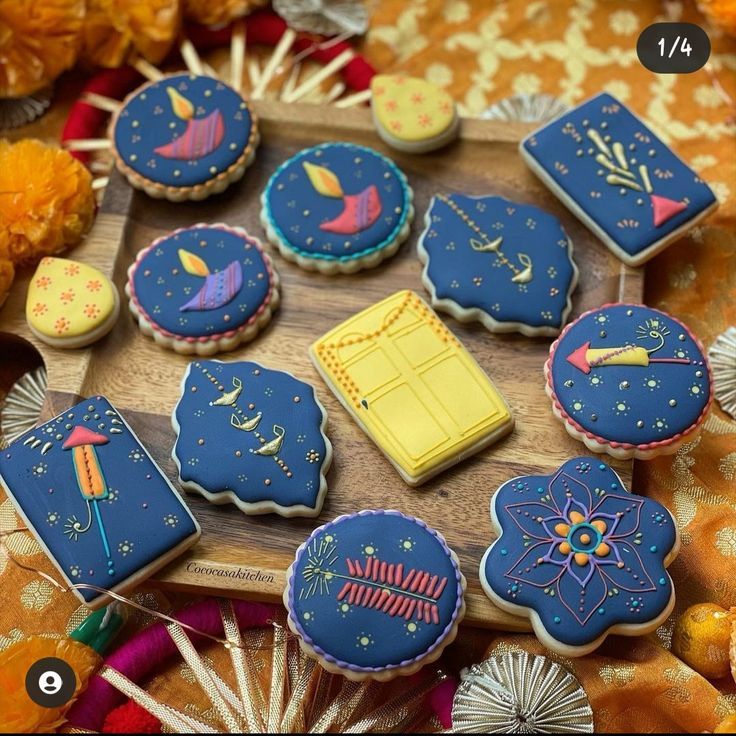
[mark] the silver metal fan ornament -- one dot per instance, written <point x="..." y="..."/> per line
<point x="520" y="693"/>
<point x="22" y="406"/>
<point x="525" y="108"/>
<point x="324" y="17"/>
<point x="17" y="111"/>
<point x="722" y="356"/>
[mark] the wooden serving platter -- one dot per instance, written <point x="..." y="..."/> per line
<point x="247" y="556"/>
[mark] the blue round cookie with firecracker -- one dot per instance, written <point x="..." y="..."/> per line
<point x="337" y="208"/>
<point x="374" y="595"/>
<point x="203" y="289"/>
<point x="580" y="556"/>
<point x="630" y="381"/>
<point x="502" y="263"/>
<point x="184" y="136"/>
<point x="251" y="436"/>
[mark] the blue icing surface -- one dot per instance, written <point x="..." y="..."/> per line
<point x="352" y="635"/>
<point x="216" y="446"/>
<point x="581" y="167"/>
<point x="366" y="208"/>
<point x="510" y="261"/>
<point x="622" y="540"/>
<point x="137" y="515"/>
<point x="632" y="402"/>
<point x="208" y="143"/>
<point x="162" y="284"/>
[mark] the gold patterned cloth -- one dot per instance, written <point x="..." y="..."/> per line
<point x="481" y="51"/>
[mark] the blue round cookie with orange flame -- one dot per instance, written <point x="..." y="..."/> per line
<point x="337" y="207"/>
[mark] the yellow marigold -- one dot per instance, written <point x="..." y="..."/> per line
<point x="115" y="28"/>
<point x="216" y="13"/>
<point x="47" y="200"/>
<point x="722" y="13"/>
<point x="7" y="273"/>
<point x="39" y="39"/>
<point x="19" y="713"/>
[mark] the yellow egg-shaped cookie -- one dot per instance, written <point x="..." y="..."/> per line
<point x="70" y="304"/>
<point x="411" y="114"/>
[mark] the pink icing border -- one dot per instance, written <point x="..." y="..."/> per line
<point x="240" y="232"/>
<point x="627" y="445"/>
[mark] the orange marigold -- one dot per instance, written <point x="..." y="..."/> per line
<point x="46" y="198"/>
<point x="7" y="273"/>
<point x="216" y="13"/>
<point x="113" y="29"/>
<point x="722" y="13"/>
<point x="38" y="41"/>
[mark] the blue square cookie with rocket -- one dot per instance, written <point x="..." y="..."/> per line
<point x="337" y="208"/>
<point x="184" y="137"/>
<point x="617" y="177"/>
<point x="251" y="436"/>
<point x="505" y="264"/>
<point x="95" y="500"/>
<point x="203" y="289"/>
<point x="580" y="556"/>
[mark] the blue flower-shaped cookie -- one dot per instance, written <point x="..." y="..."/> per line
<point x="580" y="556"/>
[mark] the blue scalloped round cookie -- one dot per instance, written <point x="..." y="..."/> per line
<point x="251" y="436"/>
<point x="184" y="136"/>
<point x="375" y="595"/>
<point x="629" y="380"/>
<point x="203" y="289"/>
<point x="337" y="207"/>
<point x="580" y="556"/>
<point x="505" y="264"/>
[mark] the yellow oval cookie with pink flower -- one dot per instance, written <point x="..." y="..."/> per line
<point x="70" y="304"/>
<point x="411" y="114"/>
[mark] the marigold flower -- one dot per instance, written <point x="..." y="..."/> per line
<point x="212" y="14"/>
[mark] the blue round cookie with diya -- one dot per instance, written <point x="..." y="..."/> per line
<point x="203" y="289"/>
<point x="580" y="556"/>
<point x="184" y="136"/>
<point x="337" y="207"/>
<point x="251" y="436"/>
<point x="505" y="264"/>
<point x="375" y="594"/>
<point x="629" y="380"/>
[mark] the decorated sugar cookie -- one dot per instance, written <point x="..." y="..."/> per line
<point x="374" y="595"/>
<point x="100" y="507"/>
<point x="203" y="289"/>
<point x="505" y="264"/>
<point x="618" y="178"/>
<point x="411" y="386"/>
<point x="629" y="380"/>
<point x="337" y="207"/>
<point x="580" y="556"/>
<point x="70" y="304"/>
<point x="184" y="137"/>
<point x="251" y="436"/>
<point x="412" y="114"/>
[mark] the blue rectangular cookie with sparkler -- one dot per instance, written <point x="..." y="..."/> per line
<point x="95" y="500"/>
<point x="616" y="176"/>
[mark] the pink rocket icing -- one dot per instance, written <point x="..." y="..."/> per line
<point x="82" y="436"/>
<point x="665" y="209"/>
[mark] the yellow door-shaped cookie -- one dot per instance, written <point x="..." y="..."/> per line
<point x="411" y="385"/>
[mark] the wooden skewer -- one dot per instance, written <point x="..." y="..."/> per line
<point x="254" y="71"/>
<point x="318" y="77"/>
<point x="191" y="57"/>
<point x="98" y="166"/>
<point x="334" y="92"/>
<point x="148" y="70"/>
<point x="355" y="99"/>
<point x="100" y="183"/>
<point x="207" y="70"/>
<point x="237" y="55"/>
<point x="100" y="101"/>
<point x="290" y="84"/>
<point x="87" y="144"/>
<point x="282" y="48"/>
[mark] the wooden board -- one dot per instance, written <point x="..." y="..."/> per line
<point x="247" y="556"/>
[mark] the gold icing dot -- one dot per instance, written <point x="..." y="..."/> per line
<point x="365" y="641"/>
<point x="238" y="453"/>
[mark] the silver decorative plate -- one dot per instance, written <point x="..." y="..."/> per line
<point x="22" y="406"/>
<point x="525" y="108"/>
<point x="722" y="355"/>
<point x="17" y="111"/>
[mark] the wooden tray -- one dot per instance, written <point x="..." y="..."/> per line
<point x="247" y="556"/>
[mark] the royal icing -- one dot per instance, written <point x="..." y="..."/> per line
<point x="617" y="176"/>
<point x="506" y="264"/>
<point x="252" y="436"/>
<point x="202" y="282"/>
<point x="183" y="130"/>
<point x="629" y="376"/>
<point x="411" y="386"/>
<point x="68" y="299"/>
<point x="337" y="201"/>
<point x="93" y="497"/>
<point x="375" y="591"/>
<point x="410" y="109"/>
<point x="580" y="552"/>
